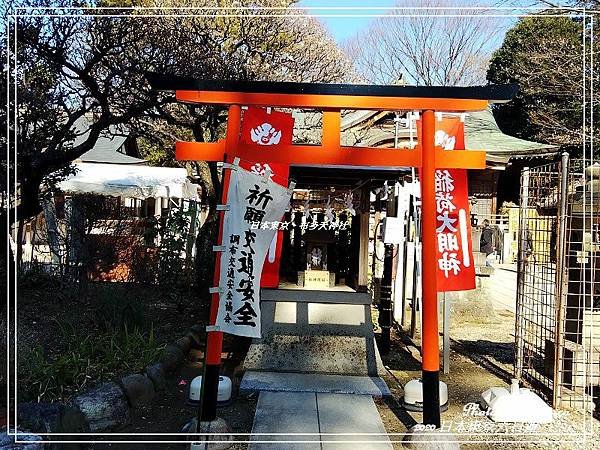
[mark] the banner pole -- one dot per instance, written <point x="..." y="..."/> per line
<point x="446" y="354"/>
<point x="214" y="341"/>
<point x="430" y="333"/>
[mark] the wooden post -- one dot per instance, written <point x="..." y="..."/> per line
<point x="363" y="246"/>
<point x="363" y="252"/>
<point x="561" y="285"/>
<point x="385" y="300"/>
<point x="352" y="276"/>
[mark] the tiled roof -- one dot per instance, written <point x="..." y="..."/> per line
<point x="109" y="146"/>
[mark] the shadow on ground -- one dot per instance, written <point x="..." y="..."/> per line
<point x="496" y="357"/>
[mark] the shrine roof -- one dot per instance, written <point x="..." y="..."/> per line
<point x="109" y="147"/>
<point x="482" y="131"/>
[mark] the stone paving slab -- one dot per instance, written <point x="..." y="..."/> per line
<point x="255" y="381"/>
<point x="285" y="401"/>
<point x="303" y="412"/>
<point x="343" y="413"/>
<point x="286" y="412"/>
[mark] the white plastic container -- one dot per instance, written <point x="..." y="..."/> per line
<point x="223" y="396"/>
<point x="413" y="396"/>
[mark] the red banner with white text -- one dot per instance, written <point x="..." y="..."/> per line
<point x="268" y="129"/>
<point x="456" y="269"/>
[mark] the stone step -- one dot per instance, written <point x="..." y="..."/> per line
<point x="303" y="336"/>
<point x="344" y="355"/>
<point x="254" y="381"/>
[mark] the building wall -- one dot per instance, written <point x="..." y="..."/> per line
<point x="483" y="188"/>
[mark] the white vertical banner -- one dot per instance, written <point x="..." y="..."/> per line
<point x="252" y="200"/>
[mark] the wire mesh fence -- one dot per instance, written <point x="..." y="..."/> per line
<point x="557" y="293"/>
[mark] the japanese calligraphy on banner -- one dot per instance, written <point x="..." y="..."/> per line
<point x="456" y="270"/>
<point x="251" y="198"/>
<point x="269" y="129"/>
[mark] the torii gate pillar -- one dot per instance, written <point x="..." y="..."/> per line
<point x="331" y="99"/>
<point x="430" y="345"/>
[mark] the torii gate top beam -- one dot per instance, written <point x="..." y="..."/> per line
<point x="331" y="99"/>
<point x="334" y="96"/>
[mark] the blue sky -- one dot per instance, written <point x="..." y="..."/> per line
<point x="344" y="27"/>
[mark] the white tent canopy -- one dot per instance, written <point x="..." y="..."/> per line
<point x="130" y="181"/>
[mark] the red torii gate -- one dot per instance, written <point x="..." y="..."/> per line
<point x="331" y="99"/>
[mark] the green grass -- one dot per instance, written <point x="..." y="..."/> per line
<point x="89" y="358"/>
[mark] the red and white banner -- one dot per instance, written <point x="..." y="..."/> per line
<point x="251" y="199"/>
<point x="263" y="128"/>
<point x="456" y="269"/>
<point x="449" y="133"/>
<point x="268" y="129"/>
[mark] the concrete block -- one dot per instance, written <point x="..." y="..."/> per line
<point x="322" y="314"/>
<point x="315" y="331"/>
<point x="285" y="312"/>
<point x="349" y="355"/>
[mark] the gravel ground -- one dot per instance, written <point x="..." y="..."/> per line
<point x="481" y="357"/>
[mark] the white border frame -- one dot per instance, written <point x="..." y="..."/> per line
<point x="394" y="11"/>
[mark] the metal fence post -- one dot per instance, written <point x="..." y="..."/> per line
<point x="561" y="254"/>
<point x="519" y="323"/>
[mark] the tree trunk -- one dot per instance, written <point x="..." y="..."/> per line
<point x="52" y="233"/>
<point x="19" y="243"/>
<point x="205" y="257"/>
<point x="208" y="233"/>
<point x="29" y="196"/>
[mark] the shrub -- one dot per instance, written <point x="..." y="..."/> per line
<point x="117" y="308"/>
